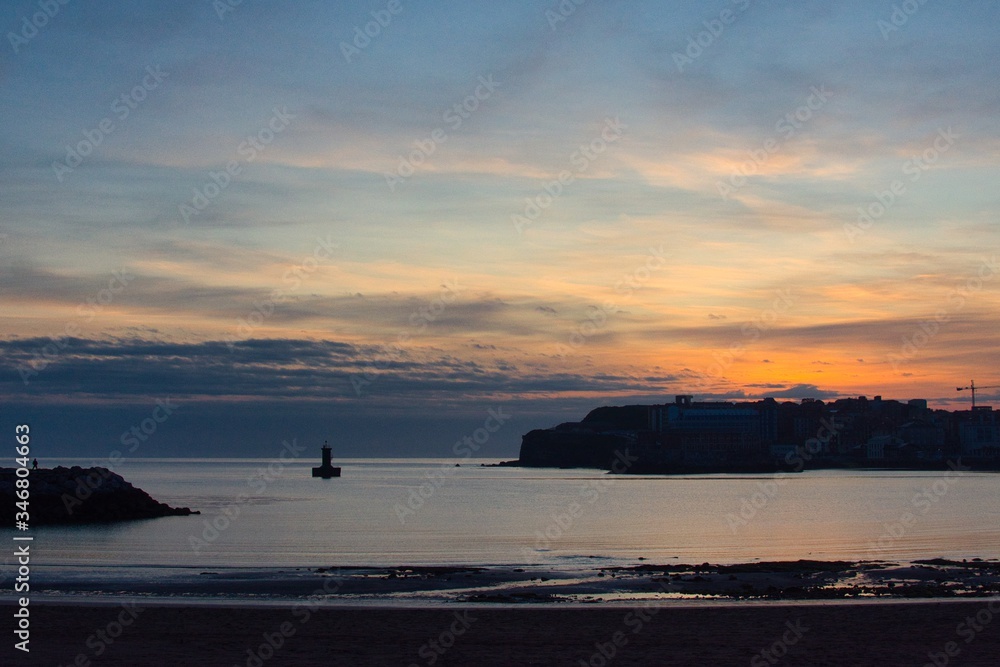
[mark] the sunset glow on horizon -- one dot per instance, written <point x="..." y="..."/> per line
<point x="485" y="204"/>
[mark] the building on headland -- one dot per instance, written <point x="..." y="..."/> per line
<point x="688" y="435"/>
<point x="979" y="435"/>
<point x="703" y="433"/>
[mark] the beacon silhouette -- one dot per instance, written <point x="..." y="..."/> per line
<point x="327" y="470"/>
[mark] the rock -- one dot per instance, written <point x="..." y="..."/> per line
<point x="79" y="495"/>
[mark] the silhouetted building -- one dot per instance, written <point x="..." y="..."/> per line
<point x="978" y="433"/>
<point x="693" y="436"/>
<point x="326" y="470"/>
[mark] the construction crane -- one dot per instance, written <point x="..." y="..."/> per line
<point x="973" y="387"/>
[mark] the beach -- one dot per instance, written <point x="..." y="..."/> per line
<point x="743" y="633"/>
<point x="788" y="613"/>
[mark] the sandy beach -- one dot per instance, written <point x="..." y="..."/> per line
<point x="855" y="633"/>
<point x="934" y="612"/>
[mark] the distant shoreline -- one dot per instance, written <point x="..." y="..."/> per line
<point x="973" y="465"/>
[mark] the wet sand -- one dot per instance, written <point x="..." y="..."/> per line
<point x="856" y="633"/>
<point x="424" y="585"/>
<point x="933" y="612"/>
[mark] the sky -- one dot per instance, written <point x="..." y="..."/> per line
<point x="224" y="225"/>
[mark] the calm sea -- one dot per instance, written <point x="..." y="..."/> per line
<point x="396" y="512"/>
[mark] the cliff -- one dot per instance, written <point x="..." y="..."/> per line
<point x="596" y="442"/>
<point x="622" y="418"/>
<point x="572" y="445"/>
<point x="79" y="495"/>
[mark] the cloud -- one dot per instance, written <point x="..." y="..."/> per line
<point x="275" y="369"/>
<point x="196" y="284"/>
<point x="778" y="391"/>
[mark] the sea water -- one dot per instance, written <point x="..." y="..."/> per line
<point x="388" y="512"/>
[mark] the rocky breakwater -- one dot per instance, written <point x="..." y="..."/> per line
<point x="79" y="495"/>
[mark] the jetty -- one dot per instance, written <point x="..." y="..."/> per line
<point x="79" y="496"/>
